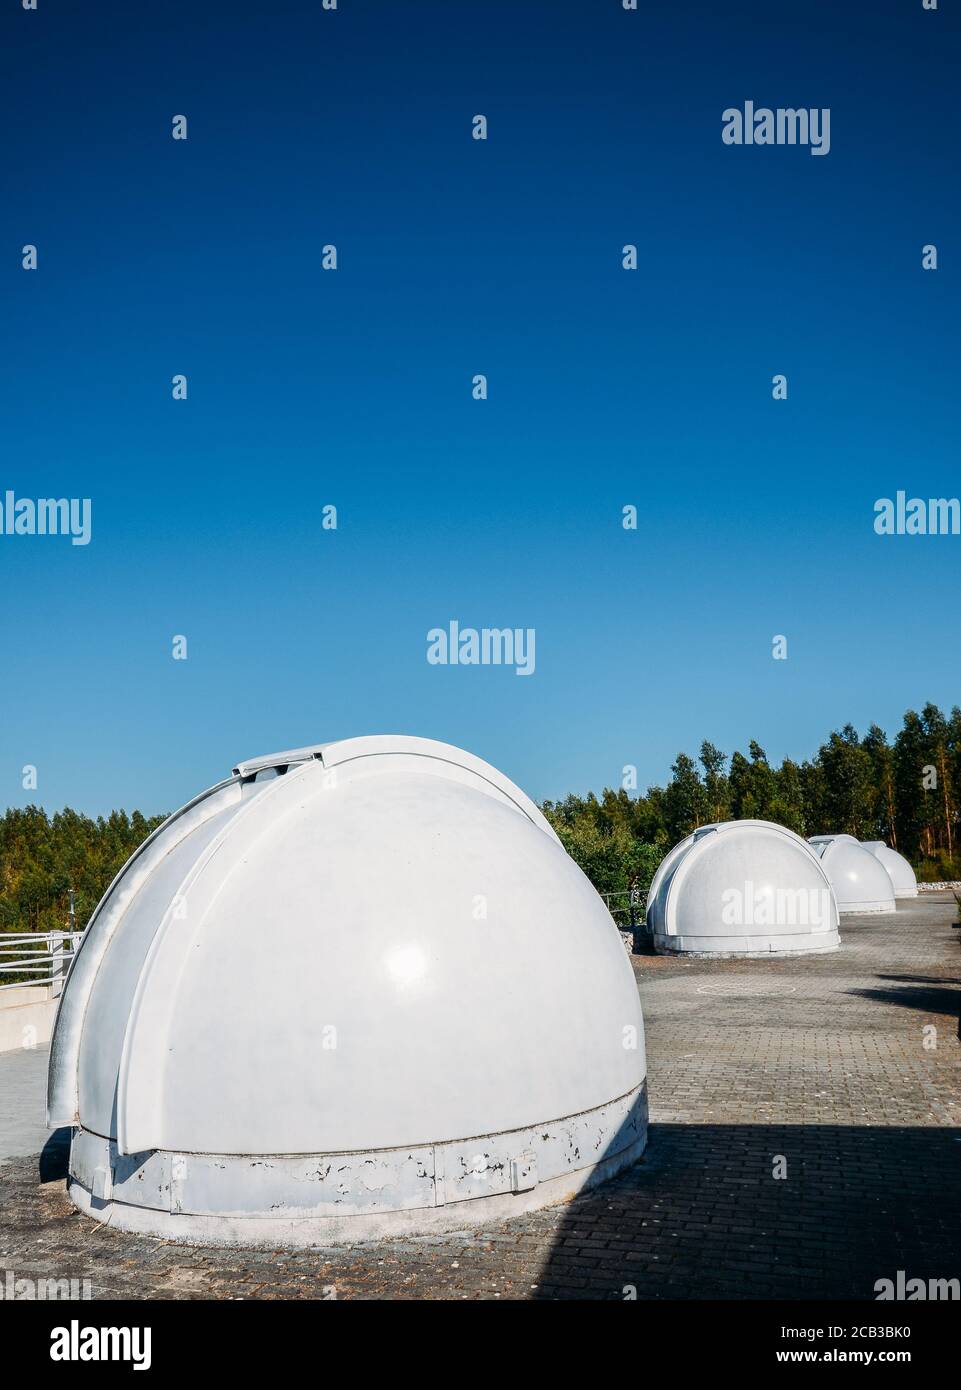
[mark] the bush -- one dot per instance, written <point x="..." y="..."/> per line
<point x="940" y="868"/>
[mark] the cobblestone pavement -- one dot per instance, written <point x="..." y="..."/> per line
<point x="23" y="1075"/>
<point x="818" y="1066"/>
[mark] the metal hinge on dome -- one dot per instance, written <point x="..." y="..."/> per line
<point x="286" y="758"/>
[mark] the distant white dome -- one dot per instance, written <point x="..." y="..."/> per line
<point x="355" y="988"/>
<point x="901" y="874"/>
<point x="859" y="880"/>
<point x="742" y="887"/>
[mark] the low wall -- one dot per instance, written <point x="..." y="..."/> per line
<point x="26" y="1016"/>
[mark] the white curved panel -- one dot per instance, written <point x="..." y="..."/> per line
<point x="101" y="1046"/>
<point x="106" y="920"/>
<point x="860" y="881"/>
<point x="444" y="760"/>
<point x="142" y="1099"/>
<point x="415" y="1028"/>
<point x="900" y="872"/>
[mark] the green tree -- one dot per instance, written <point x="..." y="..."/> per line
<point x="914" y="801"/>
<point x="763" y="782"/>
<point x="789" y="802"/>
<point x="937" y="735"/>
<point x="685" y="800"/>
<point x="716" y="786"/>
<point x="875" y="744"/>
<point x="42" y="858"/>
<point x="850" y="796"/>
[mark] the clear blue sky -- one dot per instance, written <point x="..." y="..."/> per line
<point x="354" y="387"/>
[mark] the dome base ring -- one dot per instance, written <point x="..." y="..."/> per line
<point x="329" y="1199"/>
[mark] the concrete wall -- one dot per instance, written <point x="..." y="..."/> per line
<point x="26" y="1016"/>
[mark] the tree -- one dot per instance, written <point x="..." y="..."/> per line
<point x="741" y="789"/>
<point x="789" y="802"/>
<point x="753" y="785"/>
<point x="937" y="737"/>
<point x="763" y="782"/>
<point x="43" y="858"/>
<point x="685" y="800"/>
<point x="716" y="786"/>
<point x="875" y="744"/>
<point x="850" y="796"/>
<point x="912" y="798"/>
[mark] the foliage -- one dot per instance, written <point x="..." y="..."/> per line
<point x="42" y="857"/>
<point x="907" y="793"/>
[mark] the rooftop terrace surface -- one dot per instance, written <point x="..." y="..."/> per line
<point x="845" y="1066"/>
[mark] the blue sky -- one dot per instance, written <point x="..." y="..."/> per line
<point x="353" y="387"/>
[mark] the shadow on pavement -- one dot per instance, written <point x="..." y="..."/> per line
<point x="702" y="1215"/>
<point x="927" y="998"/>
<point x="55" y="1156"/>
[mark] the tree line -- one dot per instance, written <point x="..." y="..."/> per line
<point x="42" y="857"/>
<point x="907" y="792"/>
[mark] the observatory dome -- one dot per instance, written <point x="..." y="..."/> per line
<point x="860" y="881"/>
<point x="352" y="990"/>
<point x="899" y="870"/>
<point x="742" y="888"/>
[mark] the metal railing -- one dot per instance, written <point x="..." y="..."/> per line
<point x="629" y="908"/>
<point x="36" y="958"/>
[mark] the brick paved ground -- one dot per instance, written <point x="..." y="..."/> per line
<point x="820" y="1061"/>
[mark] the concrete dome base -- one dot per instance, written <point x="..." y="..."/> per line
<point x="856" y="909"/>
<point x="331" y="1199"/>
<point x="753" y="947"/>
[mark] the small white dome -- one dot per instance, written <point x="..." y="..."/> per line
<point x="743" y="887"/>
<point x="860" y="881"/>
<point x="354" y="988"/>
<point x="901" y="874"/>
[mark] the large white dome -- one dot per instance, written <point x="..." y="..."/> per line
<point x="743" y="887"/>
<point x="860" y="881"/>
<point x="354" y="988"/>
<point x="901" y="874"/>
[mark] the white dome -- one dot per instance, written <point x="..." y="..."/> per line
<point x="860" y="882"/>
<point x="354" y="988"/>
<point x="742" y="888"/>
<point x="900" y="873"/>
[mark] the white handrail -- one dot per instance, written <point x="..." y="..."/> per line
<point x="47" y="958"/>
